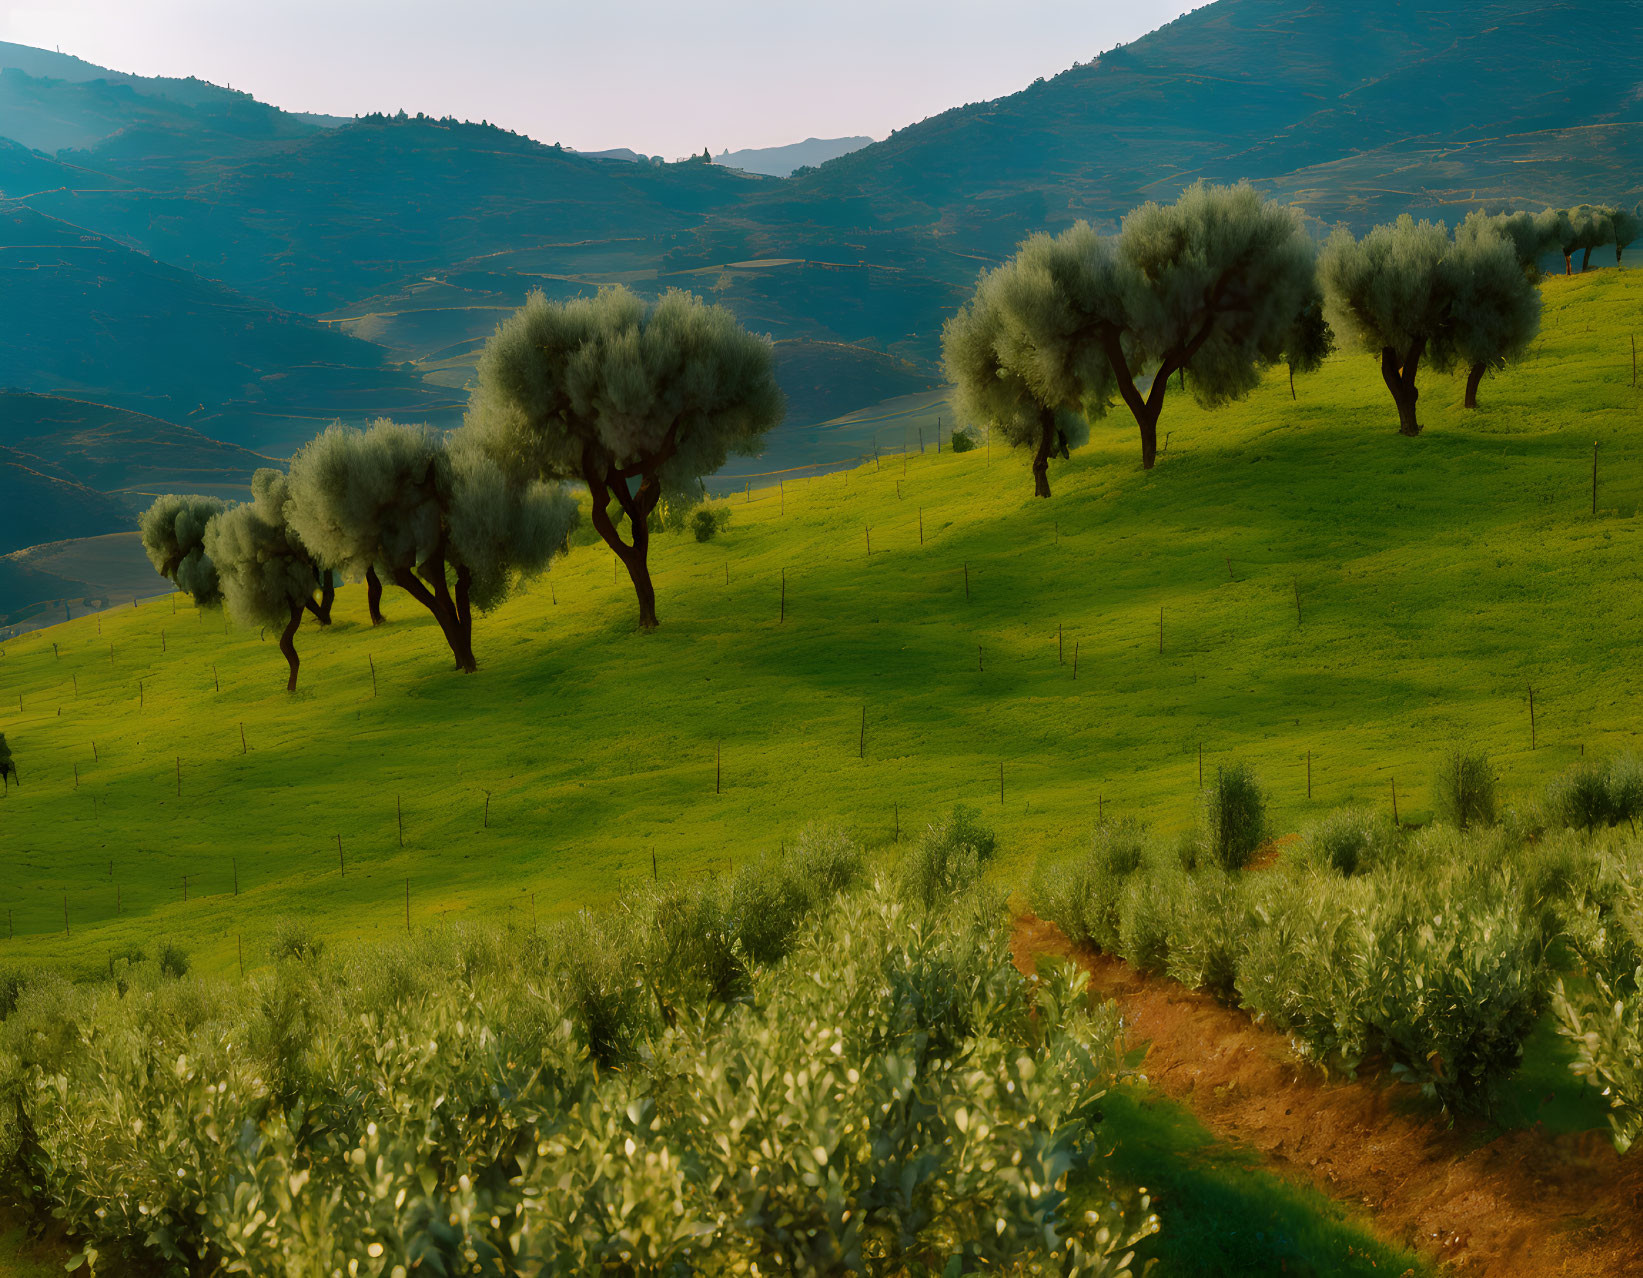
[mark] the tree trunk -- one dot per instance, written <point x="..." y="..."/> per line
<point x="603" y="483"/>
<point x="373" y="595"/>
<point x="1472" y="380"/>
<point x="288" y="645"/>
<point x="639" y="572"/>
<point x="1399" y="376"/>
<point x="1585" y="259"/>
<point x="1149" y="444"/>
<point x="1041" y="459"/>
<point x="327" y="593"/>
<point x="1568" y="262"/>
<point x="433" y="592"/>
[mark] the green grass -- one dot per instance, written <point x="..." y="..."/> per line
<point x="1224" y="1215"/>
<point x="1438" y="578"/>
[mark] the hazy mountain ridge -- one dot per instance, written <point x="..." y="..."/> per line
<point x="780" y="161"/>
<point x="220" y="223"/>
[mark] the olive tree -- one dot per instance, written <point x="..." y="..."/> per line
<point x="8" y="766"/>
<point x="1624" y="227"/>
<point x="1495" y="311"/>
<point x="637" y="401"/>
<point x="1019" y="356"/>
<point x="173" y="536"/>
<point x="1531" y="235"/>
<point x="437" y="514"/>
<point x="1580" y="229"/>
<point x="1217" y="286"/>
<point x="1392" y="293"/>
<point x="266" y="573"/>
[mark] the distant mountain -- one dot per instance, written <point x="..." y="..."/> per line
<point x="823" y="379"/>
<point x="326" y="219"/>
<point x="779" y="161"/>
<point x="181" y="250"/>
<point x="621" y="153"/>
<point x="48" y="64"/>
<point x="115" y="450"/>
<point x="37" y="505"/>
<point x="1359" y="109"/>
<point x="110" y="324"/>
<point x="52" y="102"/>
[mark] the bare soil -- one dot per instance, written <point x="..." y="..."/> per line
<point x="1520" y="1204"/>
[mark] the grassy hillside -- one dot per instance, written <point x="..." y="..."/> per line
<point x="1438" y="579"/>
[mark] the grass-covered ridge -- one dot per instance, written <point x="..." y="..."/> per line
<point x="1438" y="578"/>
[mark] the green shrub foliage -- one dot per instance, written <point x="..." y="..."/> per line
<point x="1233" y="817"/>
<point x="1421" y="951"/>
<point x="891" y="1097"/>
<point x="1593" y="794"/>
<point x="1465" y="789"/>
<point x="1349" y="841"/>
<point x="948" y="857"/>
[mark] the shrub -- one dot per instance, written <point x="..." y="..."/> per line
<point x="1604" y="1025"/>
<point x="947" y="858"/>
<point x="1119" y="845"/>
<point x="1145" y="918"/>
<point x="1625" y="787"/>
<point x="1466" y="790"/>
<point x="294" y="939"/>
<point x="963" y="441"/>
<point x="1082" y="896"/>
<point x="708" y="522"/>
<point x="1234" y="817"/>
<point x="1301" y="967"/>
<point x="1579" y="799"/>
<point x="469" y="1129"/>
<point x="1210" y="923"/>
<point x="1454" y="986"/>
<point x="1348" y="841"/>
<point x="173" y="960"/>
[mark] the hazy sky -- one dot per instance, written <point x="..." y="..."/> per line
<point x="662" y="76"/>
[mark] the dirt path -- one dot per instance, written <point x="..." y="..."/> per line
<point x="1526" y="1204"/>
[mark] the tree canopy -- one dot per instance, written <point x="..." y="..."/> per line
<point x="1019" y="355"/>
<point x="1391" y="293"/>
<point x="438" y="515"/>
<point x="266" y="573"/>
<point x="1411" y="295"/>
<point x="1495" y="311"/>
<point x="173" y="536"/>
<point x="638" y="401"/>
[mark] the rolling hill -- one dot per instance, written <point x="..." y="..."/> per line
<point x="988" y="633"/>
<point x="113" y="449"/>
<point x="113" y="325"/>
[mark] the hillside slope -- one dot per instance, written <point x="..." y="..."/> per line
<point x="110" y="324"/>
<point x="1326" y="594"/>
<point x="39" y="503"/>
<point x="112" y="449"/>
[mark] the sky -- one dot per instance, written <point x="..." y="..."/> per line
<point x="665" y="77"/>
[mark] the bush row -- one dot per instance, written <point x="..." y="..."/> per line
<point x="1431" y="951"/>
<point x="788" y="1070"/>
